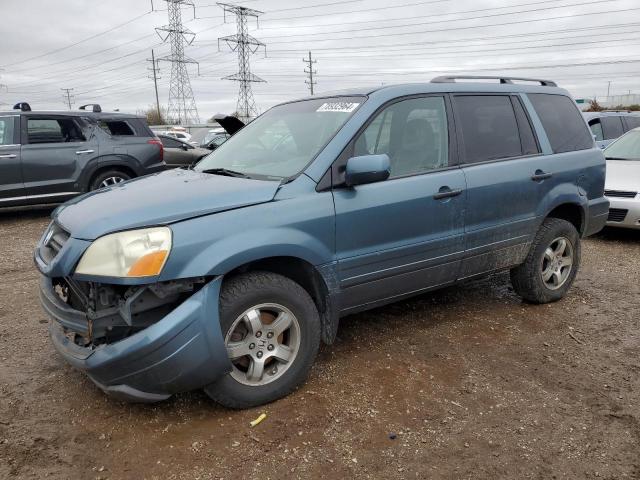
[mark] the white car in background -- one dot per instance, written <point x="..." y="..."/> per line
<point x="622" y="186"/>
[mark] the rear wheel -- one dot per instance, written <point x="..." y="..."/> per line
<point x="271" y="329"/>
<point x="109" y="178"/>
<point x="551" y="265"/>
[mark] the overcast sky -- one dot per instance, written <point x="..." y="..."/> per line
<point x="47" y="45"/>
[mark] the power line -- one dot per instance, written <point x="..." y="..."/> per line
<point x="96" y="35"/>
<point x="310" y="71"/>
<point x="245" y="45"/>
<point x="182" y="106"/>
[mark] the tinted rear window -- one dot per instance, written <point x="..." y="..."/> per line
<point x="612" y="127"/>
<point x="489" y="127"/>
<point x="632" y="122"/>
<point x="562" y="122"/>
<point x="116" y="127"/>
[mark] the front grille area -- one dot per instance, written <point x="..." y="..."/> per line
<point x="620" y="193"/>
<point x="55" y="239"/>
<point x="617" y="214"/>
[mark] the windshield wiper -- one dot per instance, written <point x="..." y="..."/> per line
<point x="226" y="172"/>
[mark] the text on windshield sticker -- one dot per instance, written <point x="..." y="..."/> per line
<point x="345" y="107"/>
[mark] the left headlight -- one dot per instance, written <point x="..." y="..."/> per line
<point x="136" y="253"/>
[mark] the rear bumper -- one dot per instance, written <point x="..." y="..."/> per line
<point x="183" y="351"/>
<point x="627" y="212"/>
<point x="596" y="218"/>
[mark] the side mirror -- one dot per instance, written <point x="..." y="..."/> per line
<point x="185" y="147"/>
<point x="367" y="169"/>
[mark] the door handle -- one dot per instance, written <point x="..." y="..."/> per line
<point x="540" y="175"/>
<point x="9" y="155"/>
<point x="446" y="192"/>
<point x="80" y="152"/>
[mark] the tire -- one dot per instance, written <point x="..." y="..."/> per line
<point x="108" y="177"/>
<point x="531" y="279"/>
<point x="265" y="296"/>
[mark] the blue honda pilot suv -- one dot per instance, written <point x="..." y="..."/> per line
<point x="228" y="276"/>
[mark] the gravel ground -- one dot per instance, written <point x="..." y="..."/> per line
<point x="467" y="382"/>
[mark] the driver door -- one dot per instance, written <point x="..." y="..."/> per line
<point x="405" y="234"/>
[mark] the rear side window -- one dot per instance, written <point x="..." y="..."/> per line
<point x="563" y="123"/>
<point x="116" y="127"/>
<point x="489" y="127"/>
<point x="7" y="125"/>
<point x="53" y="130"/>
<point x="632" y="122"/>
<point x="170" y="142"/>
<point x="612" y="127"/>
<point x="596" y="129"/>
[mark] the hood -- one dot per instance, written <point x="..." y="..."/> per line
<point x="623" y="175"/>
<point x="159" y="199"/>
<point x="230" y="123"/>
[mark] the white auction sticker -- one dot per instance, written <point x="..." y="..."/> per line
<point x="338" y="107"/>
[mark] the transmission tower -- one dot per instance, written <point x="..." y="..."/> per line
<point x="245" y="45"/>
<point x="310" y="71"/>
<point x="182" y="106"/>
<point x="67" y="97"/>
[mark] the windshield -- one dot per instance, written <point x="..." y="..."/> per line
<point x="626" y="147"/>
<point x="280" y="143"/>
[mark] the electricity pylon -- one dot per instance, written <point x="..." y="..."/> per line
<point x="182" y="106"/>
<point x="245" y="45"/>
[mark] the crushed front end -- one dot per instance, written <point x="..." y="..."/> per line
<point x="137" y="342"/>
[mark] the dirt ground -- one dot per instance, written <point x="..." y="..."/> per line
<point x="467" y="382"/>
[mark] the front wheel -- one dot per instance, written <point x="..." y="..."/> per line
<point x="551" y="265"/>
<point x="271" y="329"/>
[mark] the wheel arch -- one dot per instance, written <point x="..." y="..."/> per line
<point x="308" y="277"/>
<point x="572" y="212"/>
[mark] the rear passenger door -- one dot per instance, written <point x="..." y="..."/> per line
<point x="55" y="149"/>
<point x="404" y="234"/>
<point x="500" y="155"/>
<point x="11" y="185"/>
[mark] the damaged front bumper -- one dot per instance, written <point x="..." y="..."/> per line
<point x="184" y="350"/>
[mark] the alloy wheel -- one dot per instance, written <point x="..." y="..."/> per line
<point x="262" y="344"/>
<point x="557" y="263"/>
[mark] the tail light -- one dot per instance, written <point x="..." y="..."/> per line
<point x="156" y="141"/>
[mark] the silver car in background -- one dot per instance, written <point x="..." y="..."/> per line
<point x="607" y="126"/>
<point x="622" y="186"/>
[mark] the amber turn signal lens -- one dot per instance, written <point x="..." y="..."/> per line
<point x="149" y="265"/>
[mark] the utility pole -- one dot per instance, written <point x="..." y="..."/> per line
<point x="155" y="69"/>
<point x="245" y="45"/>
<point x="608" y="89"/>
<point x="67" y="96"/>
<point x="310" y="71"/>
<point x="182" y="106"/>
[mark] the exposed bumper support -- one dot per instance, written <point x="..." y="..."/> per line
<point x="183" y="351"/>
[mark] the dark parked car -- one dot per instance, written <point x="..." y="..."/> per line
<point x="178" y="153"/>
<point x="49" y="157"/>
<point x="607" y="126"/>
<point x="227" y="277"/>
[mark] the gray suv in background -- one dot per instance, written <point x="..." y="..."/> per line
<point x="607" y="126"/>
<point x="48" y="157"/>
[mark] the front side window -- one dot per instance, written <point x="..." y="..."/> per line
<point x="596" y="129"/>
<point x="626" y="147"/>
<point x="284" y="140"/>
<point x="488" y="126"/>
<point x="51" y="130"/>
<point x="612" y="127"/>
<point x="413" y="133"/>
<point x="564" y="125"/>
<point x="7" y="125"/>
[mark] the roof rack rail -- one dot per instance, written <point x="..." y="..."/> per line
<point x="22" y="106"/>
<point x="453" y="78"/>
<point x="95" y="108"/>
